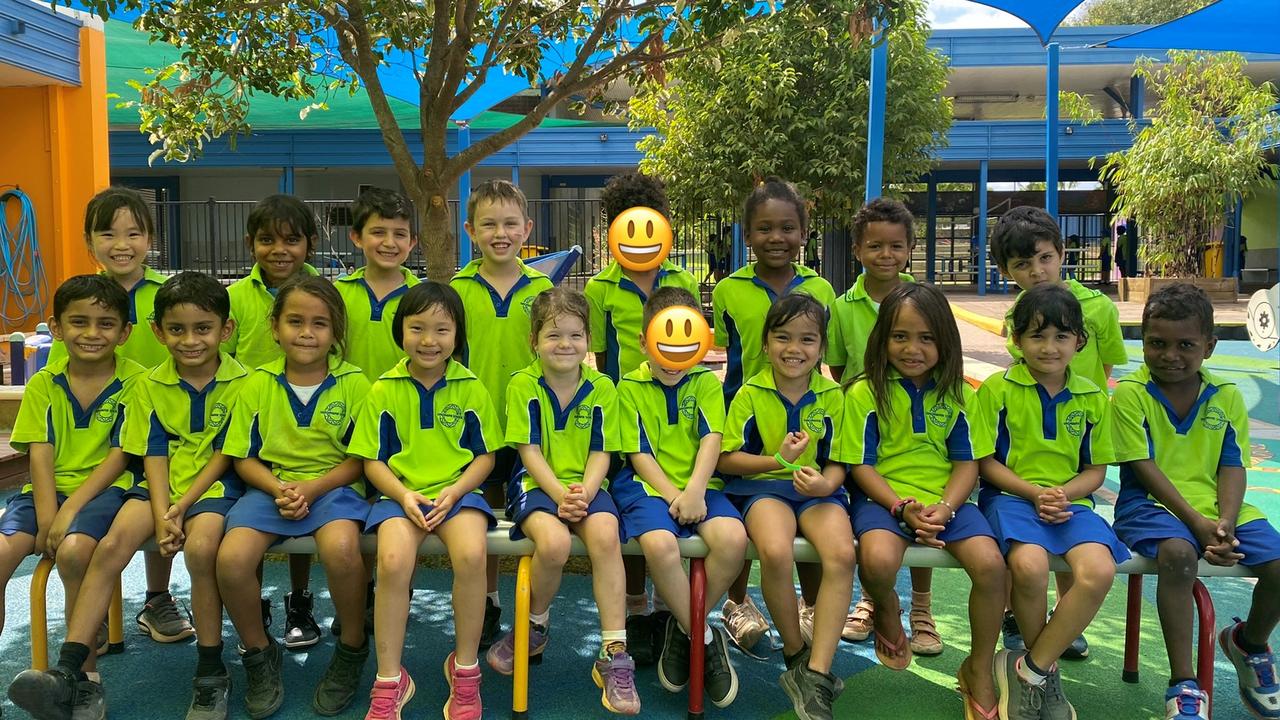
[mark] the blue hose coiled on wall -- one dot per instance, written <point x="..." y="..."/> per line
<point x="24" y="289"/>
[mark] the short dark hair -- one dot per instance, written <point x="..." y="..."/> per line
<point x="275" y="212"/>
<point x="666" y="297"/>
<point x="102" y="208"/>
<point x="1048" y="304"/>
<point x="883" y="209"/>
<point x="633" y="189"/>
<point x="792" y="306"/>
<point x="774" y="188"/>
<point x="1017" y="232"/>
<point x="324" y="290"/>
<point x="496" y="191"/>
<point x="99" y="288"/>
<point x="423" y="296"/>
<point x="1180" y="301"/>
<point x="193" y="288"/>
<point x="386" y="204"/>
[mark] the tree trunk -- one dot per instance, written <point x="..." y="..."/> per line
<point x="435" y="234"/>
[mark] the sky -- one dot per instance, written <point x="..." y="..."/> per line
<point x="966" y="14"/>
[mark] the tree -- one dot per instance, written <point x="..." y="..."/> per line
<point x="788" y="96"/>
<point x="1135" y="12"/>
<point x="308" y="49"/>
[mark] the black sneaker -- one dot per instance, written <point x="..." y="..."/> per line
<point x="1012" y="635"/>
<point x="301" y="630"/>
<point x="658" y="631"/>
<point x="812" y="693"/>
<point x="264" y="686"/>
<point x="91" y="701"/>
<point x="46" y="694"/>
<point x="338" y="687"/>
<point x="1077" y="650"/>
<point x="492" y="629"/>
<point x="673" y="663"/>
<point x="640" y="639"/>
<point x="721" y="679"/>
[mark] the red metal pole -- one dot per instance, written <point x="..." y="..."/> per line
<point x="1207" y="619"/>
<point x="697" y="621"/>
<point x="1132" y="629"/>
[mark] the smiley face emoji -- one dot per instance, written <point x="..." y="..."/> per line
<point x="678" y="337"/>
<point x="640" y="239"/>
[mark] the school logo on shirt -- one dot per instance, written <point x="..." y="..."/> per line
<point x="940" y="414"/>
<point x="689" y="407"/>
<point x="450" y="416"/>
<point x="106" y="412"/>
<point x="217" y="415"/>
<point x="1213" y="418"/>
<point x="815" y="421"/>
<point x="335" y="412"/>
<point x="527" y="303"/>
<point x="1075" y="423"/>
<point x="582" y="416"/>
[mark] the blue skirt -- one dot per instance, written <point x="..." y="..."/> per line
<point x="867" y="514"/>
<point x="94" y="519"/>
<point x="1015" y="520"/>
<point x="642" y="512"/>
<point x="1143" y="525"/>
<point x="257" y="511"/>
<point x="524" y="504"/>
<point x="386" y="508"/>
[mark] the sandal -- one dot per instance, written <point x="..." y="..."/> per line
<point x="925" y="639"/>
<point x="972" y="710"/>
<point x="893" y="655"/>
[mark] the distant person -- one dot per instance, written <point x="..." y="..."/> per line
<point x="1073" y="255"/>
<point x="719" y="253"/>
<point x="811" y="257"/>
<point x="1244" y="252"/>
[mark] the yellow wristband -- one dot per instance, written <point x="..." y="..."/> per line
<point x="786" y="464"/>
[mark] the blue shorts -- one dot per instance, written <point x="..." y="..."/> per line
<point x="219" y="505"/>
<point x="1143" y="525"/>
<point x="1015" y="520"/>
<point x="94" y="519"/>
<point x="386" y="508"/>
<point x="257" y="511"/>
<point x="642" y="513"/>
<point x="504" y="464"/>
<point x="744" y="493"/>
<point x="525" y="504"/>
<point x="867" y="514"/>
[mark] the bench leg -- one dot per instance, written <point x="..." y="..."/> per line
<point x="115" y="621"/>
<point x="520" y="671"/>
<point x="40" y="615"/>
<point x="1132" y="629"/>
<point x="697" y="625"/>
<point x="1206" y="648"/>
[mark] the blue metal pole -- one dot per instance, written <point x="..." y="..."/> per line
<point x="875" y="115"/>
<point x="982" y="227"/>
<point x="286" y="180"/>
<point x="1051" y="132"/>
<point x="464" y="193"/>
<point x="515" y="175"/>
<point x="1137" y="97"/>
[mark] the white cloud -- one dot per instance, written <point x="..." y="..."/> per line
<point x="965" y="14"/>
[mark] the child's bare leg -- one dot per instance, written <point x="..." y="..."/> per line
<point x="158" y="569"/>
<point x="75" y="554"/>
<point x="200" y="551"/>
<point x="1094" y="570"/>
<point x="599" y="532"/>
<point x="1029" y="572"/>
<point x="810" y="576"/>
<point x="726" y="540"/>
<point x="464" y="538"/>
<point x="495" y="495"/>
<point x="550" y="539"/>
<point x="300" y="573"/>
<point x="634" y="566"/>
<point x="771" y="524"/>
<point x="982" y="561"/>
<point x="738" y="590"/>
<point x="1063" y="581"/>
<point x="826" y="525"/>
<point x="669" y="580"/>
<point x="1177" y="564"/>
<point x="398" y="541"/>
<point x="338" y="544"/>
<point x="1265" y="612"/>
<point x="13" y="550"/>
<point x="879" y="560"/>
<point x="922" y="579"/>
<point x="239" y="562"/>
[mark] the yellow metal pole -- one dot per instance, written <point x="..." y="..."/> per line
<point x="39" y="615"/>
<point x="115" y="621"/>
<point x="520" y="671"/>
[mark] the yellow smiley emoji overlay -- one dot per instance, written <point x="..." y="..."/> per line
<point x="678" y="337"/>
<point x="640" y="239"/>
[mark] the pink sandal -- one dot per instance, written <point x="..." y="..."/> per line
<point x="972" y="710"/>
<point x="893" y="655"/>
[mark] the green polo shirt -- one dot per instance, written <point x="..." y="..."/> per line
<point x="297" y="442"/>
<point x="1101" y="321"/>
<point x="498" y="328"/>
<point x="853" y="314"/>
<point x="1045" y="440"/>
<point x="370" y="345"/>
<point x="81" y="437"/>
<point x="566" y="436"/>
<point x="1188" y="450"/>
<point x="670" y="422"/>
<point x="617" y="313"/>
<point x="251" y="341"/>
<point x="427" y="436"/>
<point x="142" y="347"/>
<point x="912" y="450"/>
<point x="174" y="420"/>
<point x="740" y="303"/>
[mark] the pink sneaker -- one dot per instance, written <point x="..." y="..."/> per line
<point x="464" y="691"/>
<point x="386" y="699"/>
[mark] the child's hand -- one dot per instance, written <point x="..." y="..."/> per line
<point x="688" y="508"/>
<point x="1052" y="506"/>
<point x="937" y="514"/>
<point x="412" y="504"/>
<point x="42" y="542"/>
<point x="573" y="507"/>
<point x="1205" y="531"/>
<point x="291" y="503"/>
<point x="444" y="502"/>
<point x="926" y="532"/>
<point x="793" y="445"/>
<point x="58" y="530"/>
<point x="170" y="536"/>
<point x="1224" y="552"/>
<point x="810" y="482"/>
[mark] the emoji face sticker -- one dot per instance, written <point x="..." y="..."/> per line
<point x="678" y="337"/>
<point x="640" y="239"/>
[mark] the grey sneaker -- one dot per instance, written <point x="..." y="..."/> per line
<point x="163" y="621"/>
<point x="209" y="697"/>
<point x="812" y="693"/>
<point x="502" y="655"/>
<point x="338" y="687"/>
<point x="264" y="691"/>
<point x="1018" y="699"/>
<point x="1055" y="705"/>
<point x="721" y="679"/>
<point x="673" y="664"/>
<point x="91" y="701"/>
<point x="46" y="695"/>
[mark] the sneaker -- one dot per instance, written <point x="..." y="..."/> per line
<point x="1012" y="635"/>
<point x="46" y="694"/>
<point x="812" y="693"/>
<point x="91" y="701"/>
<point x="721" y="681"/>
<point x="640" y="638"/>
<point x="387" y="698"/>
<point x="860" y="623"/>
<point x="1186" y="701"/>
<point x="264" y="686"/>
<point x="1019" y="700"/>
<point x="492" y="629"/>
<point x="745" y="623"/>
<point x="337" y="688"/>
<point x="502" y="656"/>
<point x="1256" y="673"/>
<point x="301" y="630"/>
<point x="806" y="622"/>
<point x="209" y="697"/>
<point x="1055" y="705"/>
<point x="801" y="659"/>
<point x="464" y="691"/>
<point x="163" y="621"/>
<point x="673" y="663"/>
<point x="925" y="639"/>
<point x="616" y="676"/>
<point x="657" y="632"/>
<point x="266" y="623"/>
<point x="1077" y="650"/>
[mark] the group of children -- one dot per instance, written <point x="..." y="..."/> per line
<point x="288" y="406"/>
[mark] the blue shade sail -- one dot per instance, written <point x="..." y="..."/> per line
<point x="1239" y="25"/>
<point x="1044" y="16"/>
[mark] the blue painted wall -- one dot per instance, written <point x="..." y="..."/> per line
<point x="36" y="39"/>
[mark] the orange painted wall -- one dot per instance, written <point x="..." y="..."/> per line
<point x="55" y="150"/>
